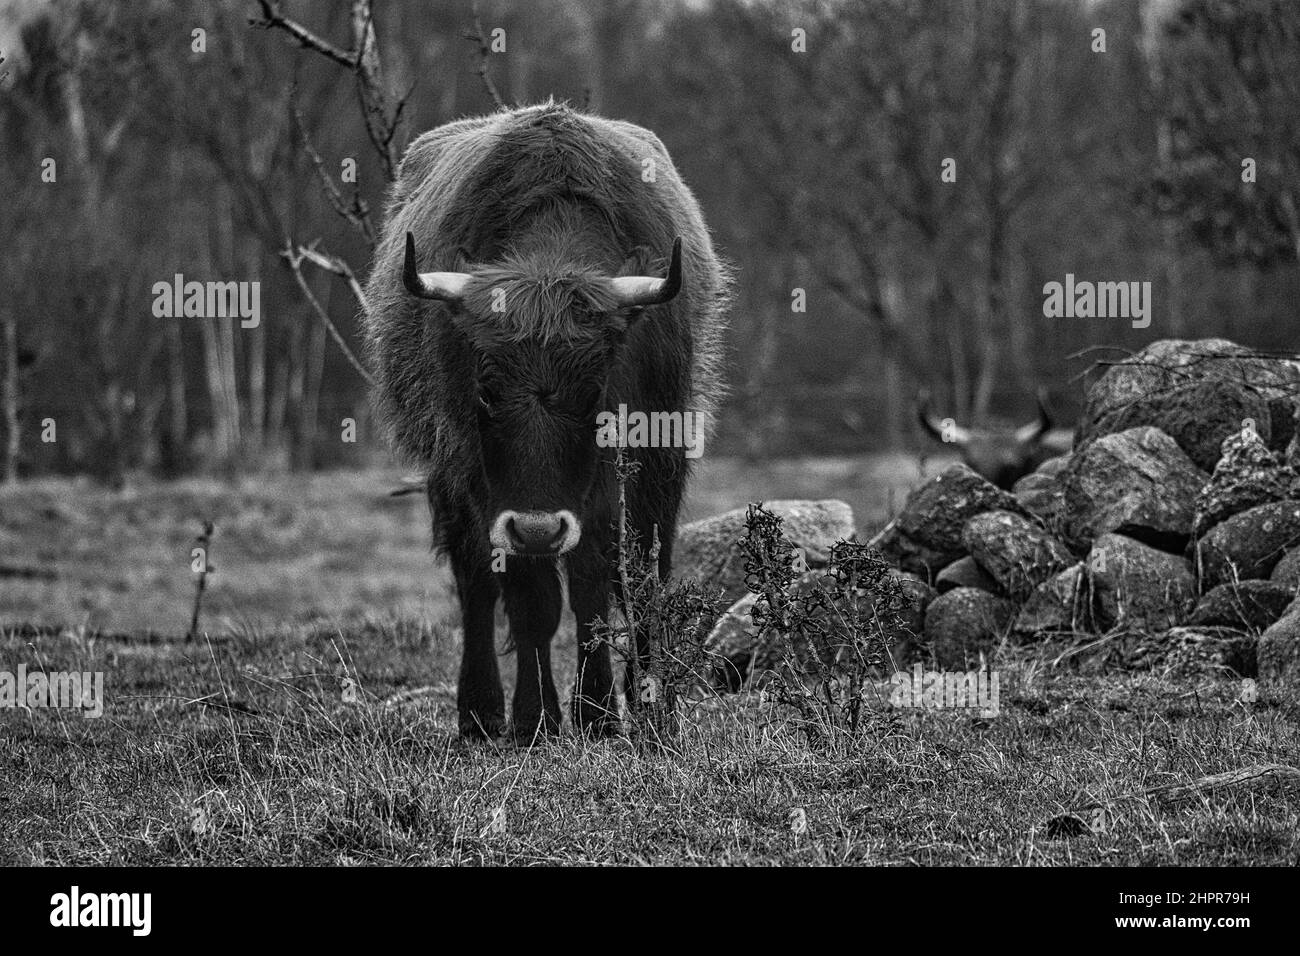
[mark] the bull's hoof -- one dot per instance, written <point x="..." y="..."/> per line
<point x="596" y="720"/>
<point x="482" y="727"/>
<point x="603" y="727"/>
<point x="530" y="727"/>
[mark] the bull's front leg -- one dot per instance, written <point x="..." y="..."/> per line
<point x="533" y="604"/>
<point x="480" y="701"/>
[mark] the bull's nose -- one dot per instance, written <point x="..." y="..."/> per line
<point x="536" y="532"/>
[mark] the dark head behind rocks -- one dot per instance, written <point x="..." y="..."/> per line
<point x="1001" y="455"/>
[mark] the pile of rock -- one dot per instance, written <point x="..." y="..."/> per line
<point x="1174" y="524"/>
<point x="1176" y="521"/>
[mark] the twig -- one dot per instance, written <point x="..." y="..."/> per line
<point x="483" y="52"/>
<point x="381" y="127"/>
<point x="294" y="257"/>
<point x="273" y="19"/>
<point x="204" y="541"/>
<point x="1072" y="823"/>
<point x="370" y="88"/>
<point x="363" y="61"/>
<point x="622" y="470"/>
<point x="338" y="267"/>
<point x="357" y="211"/>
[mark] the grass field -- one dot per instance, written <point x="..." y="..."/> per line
<point x="315" y="721"/>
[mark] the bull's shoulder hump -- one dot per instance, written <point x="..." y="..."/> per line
<point x="637" y="134"/>
<point x="425" y="150"/>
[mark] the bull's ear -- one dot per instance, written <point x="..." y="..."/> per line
<point x="446" y="287"/>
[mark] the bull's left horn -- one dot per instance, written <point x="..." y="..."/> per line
<point x="630" y="291"/>
<point x="443" y="286"/>
<point x="1027" y="434"/>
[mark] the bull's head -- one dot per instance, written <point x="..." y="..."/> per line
<point x="1002" y="455"/>
<point x="544" y="338"/>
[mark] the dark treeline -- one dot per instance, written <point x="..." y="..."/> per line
<point x="895" y="182"/>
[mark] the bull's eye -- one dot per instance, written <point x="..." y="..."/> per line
<point x="485" y="398"/>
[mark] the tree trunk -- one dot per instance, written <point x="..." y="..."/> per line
<point x="311" y="393"/>
<point x="256" y="363"/>
<point x="297" y="382"/>
<point x="9" y="398"/>
<point x="178" y="420"/>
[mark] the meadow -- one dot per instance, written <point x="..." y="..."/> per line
<point x="313" y="719"/>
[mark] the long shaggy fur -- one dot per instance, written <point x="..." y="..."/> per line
<point x="492" y="195"/>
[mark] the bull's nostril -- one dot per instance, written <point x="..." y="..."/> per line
<point x="536" y="531"/>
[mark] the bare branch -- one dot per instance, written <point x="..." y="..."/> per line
<point x="294" y="257"/>
<point x="380" y="127"/>
<point x="484" y="51"/>
<point x="273" y="19"/>
<point x="338" y="267"/>
<point x="357" y="211"/>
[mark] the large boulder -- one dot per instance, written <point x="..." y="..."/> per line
<point x="965" y="573"/>
<point x="926" y="535"/>
<point x="1198" y="392"/>
<point x="1042" y="491"/>
<point x="1058" y="605"/>
<point x="1250" y="544"/>
<point x="1247" y="474"/>
<point x="1016" y="552"/>
<point x="1287" y="571"/>
<point x="709" y="549"/>
<point x="1278" y="651"/>
<point x="1137" y="482"/>
<point x="731" y="644"/>
<point x="964" y="622"/>
<point x="1137" y="586"/>
<point x="1251" y="605"/>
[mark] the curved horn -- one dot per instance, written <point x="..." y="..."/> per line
<point x="1028" y="434"/>
<point x="443" y="286"/>
<point x="935" y="427"/>
<point x="632" y="291"/>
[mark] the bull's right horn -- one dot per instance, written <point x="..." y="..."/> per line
<point x="935" y="427"/>
<point x="443" y="286"/>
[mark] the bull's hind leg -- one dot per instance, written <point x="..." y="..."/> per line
<point x="533" y="605"/>
<point x="479" y="698"/>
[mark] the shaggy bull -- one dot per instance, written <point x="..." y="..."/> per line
<point x="1002" y="455"/>
<point x="539" y="267"/>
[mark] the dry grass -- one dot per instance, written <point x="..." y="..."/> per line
<point x="242" y="749"/>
